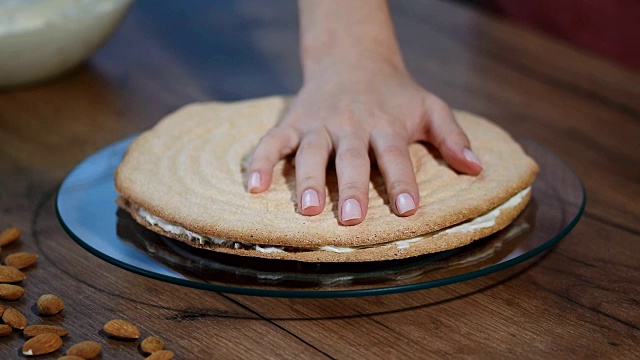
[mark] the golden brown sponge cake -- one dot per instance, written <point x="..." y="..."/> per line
<point x="184" y="179"/>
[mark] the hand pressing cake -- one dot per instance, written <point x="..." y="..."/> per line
<point x="185" y="179"/>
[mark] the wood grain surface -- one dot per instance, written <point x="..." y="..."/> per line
<point x="581" y="300"/>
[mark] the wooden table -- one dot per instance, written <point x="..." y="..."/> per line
<point x="580" y="300"/>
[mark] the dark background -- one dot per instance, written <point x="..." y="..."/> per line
<point x="608" y="28"/>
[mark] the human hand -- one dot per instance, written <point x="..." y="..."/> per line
<point x="357" y="96"/>
<point x="344" y="110"/>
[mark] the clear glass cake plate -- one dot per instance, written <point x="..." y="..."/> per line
<point x="86" y="208"/>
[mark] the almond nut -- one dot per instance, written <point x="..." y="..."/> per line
<point x="11" y="292"/>
<point x="151" y="345"/>
<point x="70" y="357"/>
<point x="9" y="274"/>
<point x="42" y="344"/>
<point x="5" y="330"/>
<point x="121" y="329"/>
<point x="14" y="318"/>
<point x="8" y="236"/>
<point x="33" y="330"/>
<point x="161" y="355"/>
<point x="85" y="349"/>
<point x="21" y="260"/>
<point x="49" y="304"/>
<point x="2" y="309"/>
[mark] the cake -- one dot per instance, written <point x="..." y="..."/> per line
<point x="185" y="179"/>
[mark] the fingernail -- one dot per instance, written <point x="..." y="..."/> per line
<point x="405" y="203"/>
<point x="310" y="198"/>
<point x="469" y="155"/>
<point x="351" y="210"/>
<point x="254" y="181"/>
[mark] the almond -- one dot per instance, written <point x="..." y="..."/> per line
<point x="14" y="318"/>
<point x="5" y="330"/>
<point x="85" y="349"/>
<point x="21" y="260"/>
<point x="33" y="330"/>
<point x="42" y="344"/>
<point x="70" y="357"/>
<point x="8" y="236"/>
<point x="121" y="329"/>
<point x="9" y="274"/>
<point x="2" y="309"/>
<point x="10" y="292"/>
<point x="151" y="345"/>
<point x="49" y="304"/>
<point x="161" y="355"/>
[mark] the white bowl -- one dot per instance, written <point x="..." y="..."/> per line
<point x="40" y="39"/>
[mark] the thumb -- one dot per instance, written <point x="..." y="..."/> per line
<point x="446" y="135"/>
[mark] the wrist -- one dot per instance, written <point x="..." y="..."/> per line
<point x="346" y="34"/>
<point x="318" y="62"/>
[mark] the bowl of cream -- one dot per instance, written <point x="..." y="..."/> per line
<point x="42" y="39"/>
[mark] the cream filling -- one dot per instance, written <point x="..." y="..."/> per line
<point x="482" y="221"/>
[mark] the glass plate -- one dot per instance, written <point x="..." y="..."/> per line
<point x="87" y="210"/>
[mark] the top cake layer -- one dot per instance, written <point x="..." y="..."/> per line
<point x="188" y="169"/>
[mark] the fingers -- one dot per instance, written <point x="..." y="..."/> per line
<point x="311" y="165"/>
<point x="390" y="146"/>
<point x="392" y="154"/>
<point x="353" y="168"/>
<point x="445" y="133"/>
<point x="273" y="146"/>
